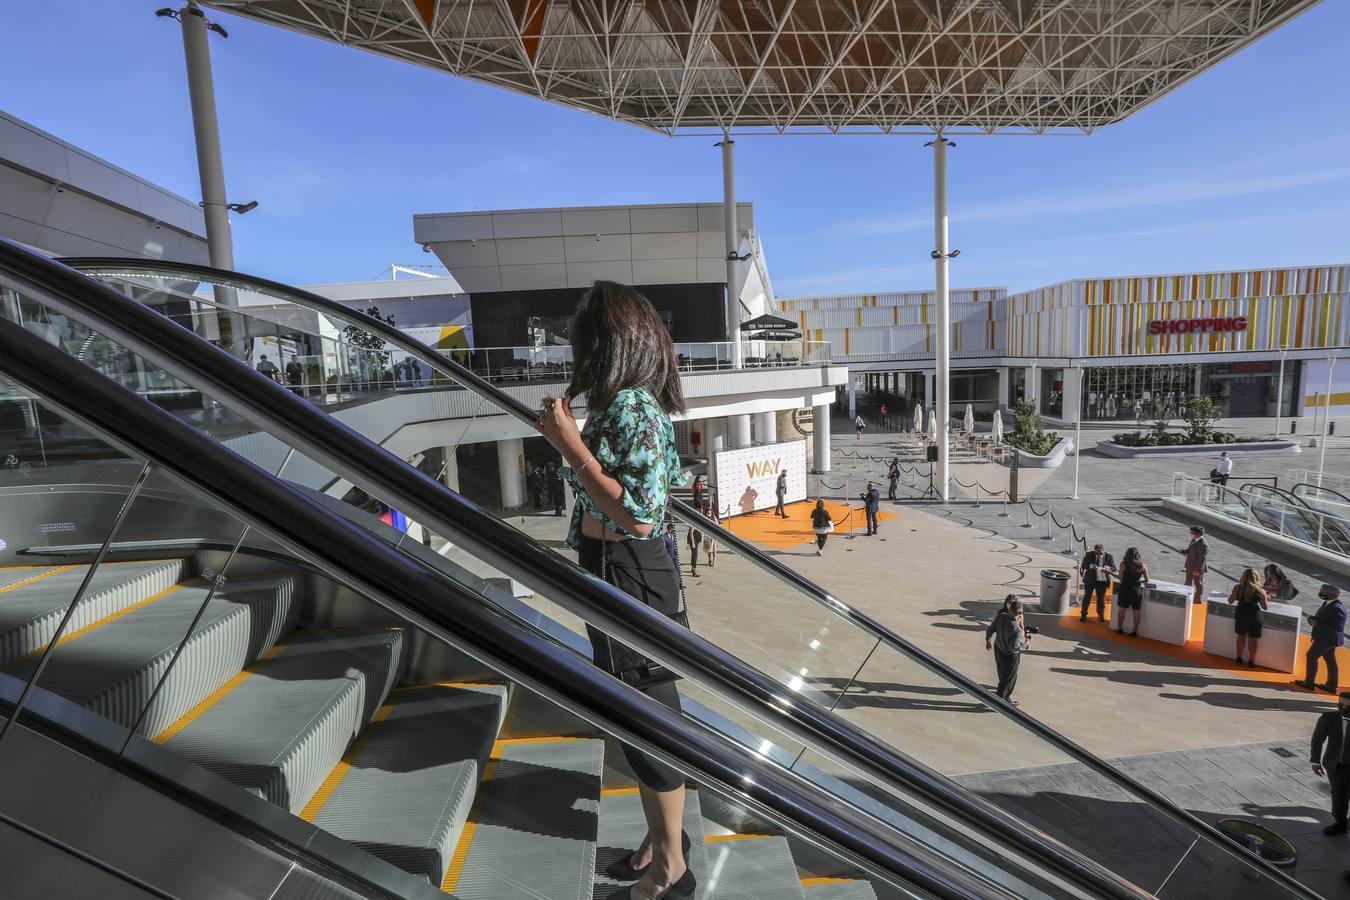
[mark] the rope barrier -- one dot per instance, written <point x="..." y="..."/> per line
<point x="833" y="487"/>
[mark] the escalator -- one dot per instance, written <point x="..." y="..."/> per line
<point x="1292" y="515"/>
<point x="1324" y="500"/>
<point x="243" y="555"/>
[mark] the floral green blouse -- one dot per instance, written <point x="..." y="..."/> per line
<point x="634" y="443"/>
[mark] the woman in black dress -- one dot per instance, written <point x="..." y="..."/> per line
<point x="1250" y="599"/>
<point x="1130" y="592"/>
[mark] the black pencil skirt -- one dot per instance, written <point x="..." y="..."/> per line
<point x="642" y="570"/>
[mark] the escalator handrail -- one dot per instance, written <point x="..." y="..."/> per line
<point x="454" y="613"/>
<point x="485" y="389"/>
<point x="326" y="440"/>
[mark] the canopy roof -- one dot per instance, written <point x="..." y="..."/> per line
<point x="784" y="65"/>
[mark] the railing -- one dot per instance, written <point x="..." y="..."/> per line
<point x="1264" y="508"/>
<point x="1338" y="483"/>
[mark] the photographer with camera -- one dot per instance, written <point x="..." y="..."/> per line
<point x="1010" y="636"/>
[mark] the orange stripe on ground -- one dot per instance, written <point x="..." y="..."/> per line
<point x="618" y="792"/>
<point x="540" y="740"/>
<point x="446" y="684"/>
<point x="1193" y="652"/>
<point x="726" y="838"/>
<point x="215" y="697"/>
<point x="812" y="882"/>
<point x="772" y="530"/>
<point x="340" y="771"/>
<point x="34" y="578"/>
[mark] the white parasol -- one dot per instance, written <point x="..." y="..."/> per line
<point x="932" y="425"/>
<point x="918" y="419"/>
<point x="970" y="419"/>
<point x="998" y="426"/>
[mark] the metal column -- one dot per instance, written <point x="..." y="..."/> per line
<point x="820" y="438"/>
<point x="731" y="232"/>
<point x="206" y="130"/>
<point x="942" y="299"/>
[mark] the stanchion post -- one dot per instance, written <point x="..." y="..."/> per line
<point x="1068" y="541"/>
<point x="1028" y="525"/>
<point x="1004" y="514"/>
<point x="977" y="495"/>
<point x="1049" y="516"/>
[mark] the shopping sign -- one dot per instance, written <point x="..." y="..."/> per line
<point x="747" y="478"/>
<point x="1197" y="326"/>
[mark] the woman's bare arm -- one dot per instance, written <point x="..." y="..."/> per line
<point x="559" y="427"/>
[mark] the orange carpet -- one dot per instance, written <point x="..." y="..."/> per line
<point x="1193" y="653"/>
<point x="771" y="530"/>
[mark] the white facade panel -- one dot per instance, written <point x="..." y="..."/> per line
<point x="672" y="245"/>
<point x="75" y="213"/>
<point x="534" y="223"/>
<point x="530" y="251"/>
<point x="102" y="180"/>
<point x="649" y="219"/>
<point x="585" y="247"/>
<point x="711" y="245"/>
<point x="712" y="270"/>
<point x="21" y="230"/>
<point x="582" y="274"/>
<point x="710" y="216"/>
<point x="467" y="254"/>
<point x="600" y="221"/>
<point x="165" y="207"/>
<point x="665" y="271"/>
<point x="533" y="278"/>
<point x="455" y="227"/>
<point x="484" y="279"/>
<point x="30" y="149"/>
<point x="26" y="196"/>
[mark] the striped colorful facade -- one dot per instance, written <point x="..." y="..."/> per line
<point x="1297" y="308"/>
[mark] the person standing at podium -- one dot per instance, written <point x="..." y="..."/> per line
<point x="1097" y="568"/>
<point x="1250" y="600"/>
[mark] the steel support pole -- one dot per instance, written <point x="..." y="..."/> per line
<point x="731" y="231"/>
<point x="1326" y="417"/>
<point x="206" y="130"/>
<point x="1078" y="433"/>
<point x="1279" y="393"/>
<point x="942" y="300"/>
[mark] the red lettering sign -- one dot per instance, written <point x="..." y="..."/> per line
<point x="1197" y="326"/>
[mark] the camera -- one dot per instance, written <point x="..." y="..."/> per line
<point x="1032" y="629"/>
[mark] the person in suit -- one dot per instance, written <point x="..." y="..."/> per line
<point x="872" y="506"/>
<point x="1331" y="757"/>
<point x="893" y="476"/>
<point x="1328" y="633"/>
<point x="1197" y="562"/>
<point x="1097" y="568"/>
<point x="780" y="491"/>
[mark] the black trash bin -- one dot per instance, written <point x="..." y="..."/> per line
<point x="1261" y="841"/>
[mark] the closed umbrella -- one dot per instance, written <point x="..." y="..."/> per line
<point x="998" y="426"/>
<point x="970" y="419"/>
<point x="932" y="426"/>
<point x="918" y="419"/>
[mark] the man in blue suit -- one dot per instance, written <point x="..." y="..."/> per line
<point x="1328" y="633"/>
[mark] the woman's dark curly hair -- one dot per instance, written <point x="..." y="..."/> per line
<point x="618" y="342"/>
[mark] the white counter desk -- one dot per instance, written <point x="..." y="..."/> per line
<point x="1166" y="613"/>
<point x="1277" y="647"/>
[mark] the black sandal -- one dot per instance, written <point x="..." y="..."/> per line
<point x="623" y="870"/>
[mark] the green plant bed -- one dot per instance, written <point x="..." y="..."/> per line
<point x="1178" y="439"/>
<point x="1029" y="434"/>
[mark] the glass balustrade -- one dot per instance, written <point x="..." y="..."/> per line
<point x="818" y="650"/>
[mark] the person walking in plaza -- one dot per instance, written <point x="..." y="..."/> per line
<point x="1222" y="469"/>
<point x="694" y="539"/>
<point x="1250" y="600"/>
<point x="872" y="507"/>
<point x="621" y="468"/>
<point x="1007" y="637"/>
<point x="780" y="491"/>
<point x="1277" y="584"/>
<point x="1328" y="633"/>
<point x="1331" y="758"/>
<point x="1129" y="595"/>
<point x="1096" y="568"/>
<point x="822" y="525"/>
<point x="557" y="491"/>
<point x="1197" y="562"/>
<point x="709" y="542"/>
<point x="885" y="417"/>
<point x="672" y="544"/>
<point x="859" y="425"/>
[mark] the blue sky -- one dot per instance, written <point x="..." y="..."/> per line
<point x="1246" y="166"/>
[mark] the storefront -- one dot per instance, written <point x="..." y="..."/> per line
<point x="1136" y="393"/>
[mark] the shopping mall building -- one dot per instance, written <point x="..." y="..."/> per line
<point x="1249" y="339"/>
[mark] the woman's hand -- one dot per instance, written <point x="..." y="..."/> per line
<point x="559" y="427"/>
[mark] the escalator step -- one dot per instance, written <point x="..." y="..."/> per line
<point x="533" y="829"/>
<point x="622" y="828"/>
<point x="751" y="867"/>
<point x="113" y="667"/>
<point x="837" y="889"/>
<point x="32" y="608"/>
<point x="405" y="788"/>
<point x="280" y="726"/>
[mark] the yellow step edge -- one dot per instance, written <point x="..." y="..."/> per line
<point x="541" y="740"/>
<point x="447" y="684"/>
<point x="340" y="771"/>
<point x="35" y="578"/>
<point x="618" y="792"/>
<point x="726" y="838"/>
<point x="215" y="697"/>
<point x="92" y="626"/>
<point x="812" y="882"/>
<point x="461" y="855"/>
